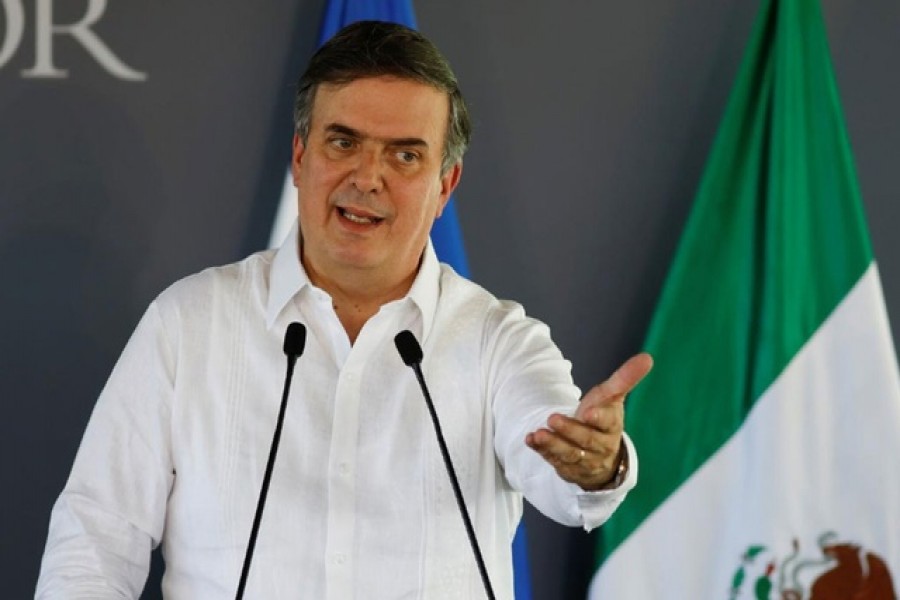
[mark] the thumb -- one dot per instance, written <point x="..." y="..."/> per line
<point x="622" y="381"/>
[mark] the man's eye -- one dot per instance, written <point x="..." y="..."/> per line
<point x="342" y="143"/>
<point x="407" y="157"/>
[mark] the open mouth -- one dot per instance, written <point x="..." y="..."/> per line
<point x="358" y="218"/>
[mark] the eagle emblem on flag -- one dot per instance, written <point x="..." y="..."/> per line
<point x="833" y="570"/>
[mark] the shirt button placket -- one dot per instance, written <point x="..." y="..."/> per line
<point x="342" y="488"/>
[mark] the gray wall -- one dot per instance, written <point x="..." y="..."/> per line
<point x="593" y="120"/>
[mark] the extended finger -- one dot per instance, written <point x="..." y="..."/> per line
<point x="573" y="464"/>
<point x="554" y="448"/>
<point x="597" y="436"/>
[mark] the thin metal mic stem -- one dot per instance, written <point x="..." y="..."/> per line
<point x="445" y="454"/>
<point x="266" y="478"/>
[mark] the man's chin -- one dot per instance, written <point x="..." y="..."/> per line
<point x="356" y="260"/>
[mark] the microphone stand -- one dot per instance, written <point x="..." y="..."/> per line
<point x="411" y="353"/>
<point x="294" y="340"/>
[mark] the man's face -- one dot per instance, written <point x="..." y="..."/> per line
<point x="368" y="179"/>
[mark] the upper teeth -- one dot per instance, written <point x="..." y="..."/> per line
<point x="356" y="218"/>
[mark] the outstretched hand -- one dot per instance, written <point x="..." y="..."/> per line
<point x="586" y="449"/>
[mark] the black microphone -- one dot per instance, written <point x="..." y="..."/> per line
<point x="411" y="353"/>
<point x="294" y="341"/>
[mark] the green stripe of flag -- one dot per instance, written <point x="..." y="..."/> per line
<point x="775" y="240"/>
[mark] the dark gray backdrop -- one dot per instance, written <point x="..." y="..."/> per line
<point x="592" y="124"/>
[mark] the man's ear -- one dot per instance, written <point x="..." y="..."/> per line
<point x="449" y="181"/>
<point x="296" y="157"/>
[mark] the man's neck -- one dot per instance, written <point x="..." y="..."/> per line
<point x="357" y="295"/>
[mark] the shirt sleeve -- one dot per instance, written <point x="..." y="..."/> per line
<point x="528" y="380"/>
<point x="111" y="512"/>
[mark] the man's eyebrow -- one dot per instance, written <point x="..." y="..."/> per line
<point x="408" y="142"/>
<point x="353" y="133"/>
<point x="343" y="130"/>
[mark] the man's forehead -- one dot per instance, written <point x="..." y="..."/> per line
<point x="398" y="97"/>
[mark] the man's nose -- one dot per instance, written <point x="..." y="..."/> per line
<point x="368" y="173"/>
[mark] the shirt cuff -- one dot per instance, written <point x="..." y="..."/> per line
<point x="596" y="507"/>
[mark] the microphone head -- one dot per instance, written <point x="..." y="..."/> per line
<point x="408" y="347"/>
<point x="294" y="339"/>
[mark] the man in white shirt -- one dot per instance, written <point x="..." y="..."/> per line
<point x="360" y="505"/>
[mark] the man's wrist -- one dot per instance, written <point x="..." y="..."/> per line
<point x="619" y="472"/>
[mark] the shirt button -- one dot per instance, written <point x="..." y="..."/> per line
<point x="340" y="558"/>
<point x="344" y="468"/>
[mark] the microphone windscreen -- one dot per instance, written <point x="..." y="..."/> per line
<point x="294" y="339"/>
<point x="409" y="349"/>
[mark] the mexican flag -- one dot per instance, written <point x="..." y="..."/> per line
<point x="769" y="430"/>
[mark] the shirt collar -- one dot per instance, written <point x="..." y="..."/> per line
<point x="288" y="278"/>
<point x="426" y="288"/>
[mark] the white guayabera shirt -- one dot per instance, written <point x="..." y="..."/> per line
<point x="360" y="505"/>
